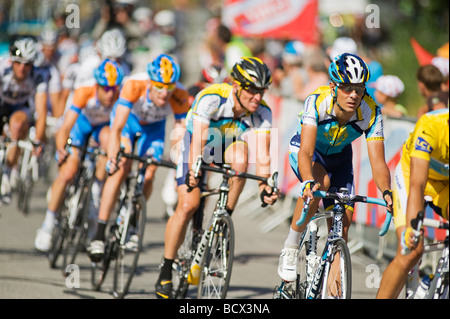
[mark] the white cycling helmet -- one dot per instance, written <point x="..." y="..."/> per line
<point x="24" y="50"/>
<point x="48" y="36"/>
<point x="112" y="44"/>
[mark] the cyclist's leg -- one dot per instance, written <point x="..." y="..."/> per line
<point x="19" y="124"/>
<point x="236" y="154"/>
<point x="66" y="174"/>
<point x="288" y="258"/>
<point x="395" y="275"/>
<point x="177" y="223"/>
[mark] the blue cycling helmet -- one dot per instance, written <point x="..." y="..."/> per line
<point x="109" y="73"/>
<point x="348" y="68"/>
<point x="164" y="69"/>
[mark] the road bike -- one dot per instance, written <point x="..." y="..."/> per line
<point x="328" y="275"/>
<point x="206" y="256"/>
<point x="124" y="242"/>
<point x="439" y="284"/>
<point x="70" y="233"/>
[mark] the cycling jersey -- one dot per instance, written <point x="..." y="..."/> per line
<point x="13" y="94"/>
<point x="146" y="117"/>
<point x="85" y="101"/>
<point x="428" y="141"/>
<point x="331" y="137"/>
<point x="135" y="95"/>
<point x="214" y="106"/>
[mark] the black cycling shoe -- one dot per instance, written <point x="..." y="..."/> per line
<point x="163" y="289"/>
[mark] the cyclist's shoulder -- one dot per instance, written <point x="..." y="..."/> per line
<point x="179" y="100"/>
<point x="135" y="85"/>
<point x="220" y="89"/>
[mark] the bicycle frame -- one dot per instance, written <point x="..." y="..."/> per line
<point x="317" y="273"/>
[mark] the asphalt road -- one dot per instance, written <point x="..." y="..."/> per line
<point x="25" y="273"/>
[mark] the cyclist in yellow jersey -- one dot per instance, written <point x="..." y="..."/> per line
<point x="422" y="171"/>
<point x="223" y="113"/>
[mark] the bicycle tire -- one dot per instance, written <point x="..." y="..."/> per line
<point x="127" y="259"/>
<point x="180" y="267"/>
<point x="217" y="261"/>
<point x="76" y="236"/>
<point x="100" y="269"/>
<point x="332" y="280"/>
<point x="58" y="237"/>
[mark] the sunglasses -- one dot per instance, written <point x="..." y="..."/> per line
<point x="161" y="86"/>
<point x="254" y="91"/>
<point x="109" y="88"/>
<point x="346" y="88"/>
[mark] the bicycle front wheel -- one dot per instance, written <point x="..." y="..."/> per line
<point x="337" y="280"/>
<point x="77" y="233"/>
<point x="217" y="261"/>
<point x="130" y="247"/>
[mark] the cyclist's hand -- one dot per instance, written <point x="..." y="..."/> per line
<point x="387" y="196"/>
<point x="307" y="189"/>
<point x="410" y="238"/>
<point x="191" y="180"/>
<point x="111" y="166"/>
<point x="268" y="196"/>
<point x="61" y="156"/>
<point x="38" y="148"/>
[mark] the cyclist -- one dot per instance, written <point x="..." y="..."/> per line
<point x="145" y="102"/>
<point x="88" y="115"/>
<point x="321" y="152"/>
<point x="422" y="171"/>
<point x="230" y="109"/>
<point x="23" y="102"/>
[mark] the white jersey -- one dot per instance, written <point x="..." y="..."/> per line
<point x="14" y="94"/>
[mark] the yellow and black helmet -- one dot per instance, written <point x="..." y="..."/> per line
<point x="251" y="72"/>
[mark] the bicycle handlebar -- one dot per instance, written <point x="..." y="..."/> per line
<point x="198" y="166"/>
<point x="145" y="159"/>
<point x="343" y="198"/>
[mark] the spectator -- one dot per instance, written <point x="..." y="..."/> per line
<point x="316" y="72"/>
<point x="294" y="74"/>
<point x="430" y="81"/>
<point x="387" y="90"/>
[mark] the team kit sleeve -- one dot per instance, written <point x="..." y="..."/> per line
<point x="80" y="98"/>
<point x="309" y="114"/>
<point x="179" y="102"/>
<point x="131" y="92"/>
<point x="375" y="130"/>
<point x="424" y="140"/>
<point x="205" y="106"/>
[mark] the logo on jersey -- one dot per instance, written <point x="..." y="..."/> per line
<point x="423" y="145"/>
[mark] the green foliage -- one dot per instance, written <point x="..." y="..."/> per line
<point x="427" y="22"/>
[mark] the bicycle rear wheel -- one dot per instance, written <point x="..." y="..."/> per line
<point x="217" y="261"/>
<point x="337" y="280"/>
<point x="130" y="248"/>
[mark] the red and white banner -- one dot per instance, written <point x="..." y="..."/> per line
<point x="277" y="19"/>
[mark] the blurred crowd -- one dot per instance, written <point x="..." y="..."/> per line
<point x="132" y="34"/>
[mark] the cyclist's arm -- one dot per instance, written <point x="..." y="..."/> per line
<point x="199" y="138"/>
<point x="380" y="170"/>
<point x="122" y="113"/>
<point x="418" y="180"/>
<point x="64" y="132"/>
<point x="305" y="154"/>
